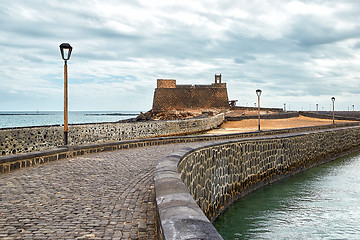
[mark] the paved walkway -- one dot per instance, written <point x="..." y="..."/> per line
<point x="101" y="196"/>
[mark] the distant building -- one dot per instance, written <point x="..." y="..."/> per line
<point x="169" y="96"/>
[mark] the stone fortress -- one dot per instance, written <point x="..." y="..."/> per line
<point x="170" y="96"/>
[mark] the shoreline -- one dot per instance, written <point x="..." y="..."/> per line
<point x="25" y="114"/>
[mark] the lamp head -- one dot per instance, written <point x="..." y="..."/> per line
<point x="65" y="50"/>
<point x="258" y="92"/>
<point x="333" y="99"/>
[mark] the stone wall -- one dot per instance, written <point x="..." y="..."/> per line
<point x="13" y="162"/>
<point x="166" y="83"/>
<point x="167" y="97"/>
<point x="255" y="109"/>
<point x="217" y="175"/>
<point x="279" y="115"/>
<point x="28" y="139"/>
<point x="339" y="115"/>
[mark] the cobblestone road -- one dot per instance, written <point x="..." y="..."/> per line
<point x="101" y="196"/>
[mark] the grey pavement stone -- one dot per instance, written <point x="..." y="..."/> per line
<point x="99" y="196"/>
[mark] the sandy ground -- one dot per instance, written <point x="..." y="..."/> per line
<point x="249" y="125"/>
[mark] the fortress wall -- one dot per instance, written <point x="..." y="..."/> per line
<point x="166" y="83"/>
<point x="29" y="139"/>
<point x="194" y="186"/>
<point x="186" y="97"/>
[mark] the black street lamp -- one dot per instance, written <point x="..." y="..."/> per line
<point x="258" y="93"/>
<point x="333" y="102"/>
<point x="65" y="50"/>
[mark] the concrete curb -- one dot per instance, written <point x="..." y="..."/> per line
<point x="179" y="215"/>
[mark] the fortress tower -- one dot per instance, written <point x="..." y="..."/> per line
<point x="169" y="96"/>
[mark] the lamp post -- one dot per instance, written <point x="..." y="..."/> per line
<point x="333" y="102"/>
<point x="65" y="50"/>
<point x="258" y="93"/>
<point x="353" y="107"/>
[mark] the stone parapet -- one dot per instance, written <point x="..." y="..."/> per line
<point x="29" y="139"/>
<point x="255" y="109"/>
<point x="350" y="116"/>
<point x="217" y="175"/>
<point x="279" y="115"/>
<point x="16" y="161"/>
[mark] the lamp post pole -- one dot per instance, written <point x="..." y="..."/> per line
<point x="65" y="104"/>
<point x="258" y="93"/>
<point x="333" y="102"/>
<point x="65" y="50"/>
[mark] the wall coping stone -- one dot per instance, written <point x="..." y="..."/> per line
<point x="22" y="156"/>
<point x="176" y="216"/>
<point x="181" y="217"/>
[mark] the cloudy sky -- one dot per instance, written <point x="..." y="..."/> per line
<point x="298" y="52"/>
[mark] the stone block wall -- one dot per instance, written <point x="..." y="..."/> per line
<point x="167" y="97"/>
<point x="29" y="139"/>
<point x="13" y="162"/>
<point x="193" y="186"/>
<point x="255" y="109"/>
<point x="339" y="115"/>
<point x="279" y="115"/>
<point x="218" y="175"/>
<point x="166" y="83"/>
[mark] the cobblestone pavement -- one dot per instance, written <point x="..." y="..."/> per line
<point x="101" y="196"/>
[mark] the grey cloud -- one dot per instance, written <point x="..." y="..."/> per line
<point x="357" y="45"/>
<point x="105" y="33"/>
<point x="286" y="65"/>
<point x="33" y="58"/>
<point x="311" y="31"/>
<point x="244" y="59"/>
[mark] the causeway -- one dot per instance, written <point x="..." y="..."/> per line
<point x="108" y="195"/>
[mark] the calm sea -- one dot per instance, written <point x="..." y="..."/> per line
<point x="320" y="203"/>
<point x="40" y="118"/>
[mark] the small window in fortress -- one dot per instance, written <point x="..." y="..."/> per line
<point x="217" y="78"/>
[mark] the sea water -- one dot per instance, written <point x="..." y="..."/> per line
<point x="41" y="118"/>
<point x="320" y="203"/>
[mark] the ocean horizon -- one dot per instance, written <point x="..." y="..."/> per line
<point x="12" y="119"/>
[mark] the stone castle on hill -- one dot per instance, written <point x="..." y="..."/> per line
<point x="170" y="96"/>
